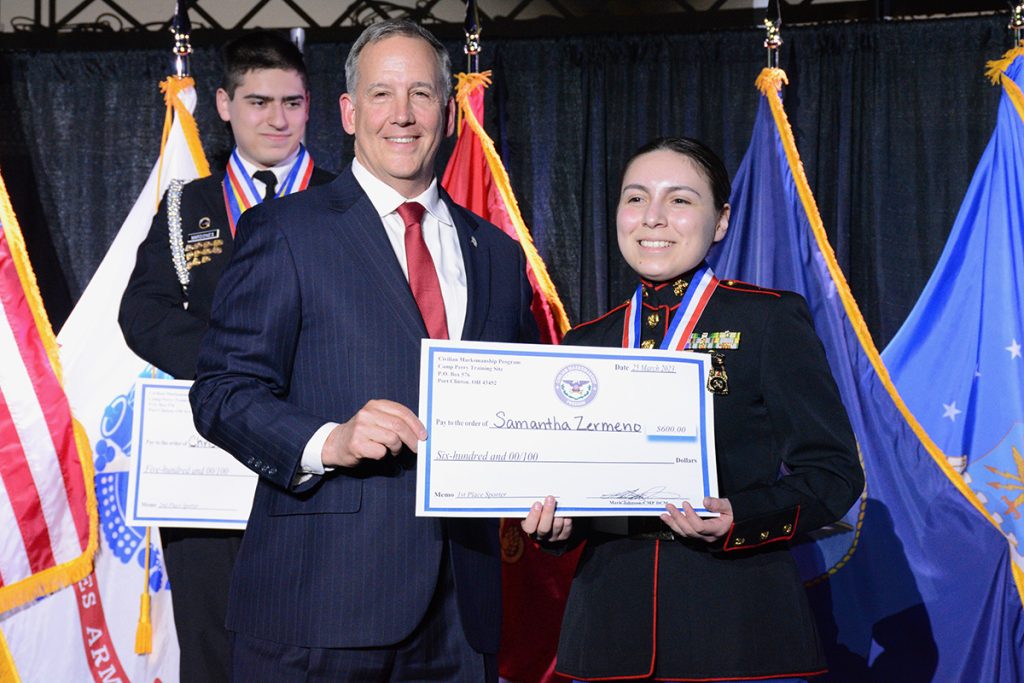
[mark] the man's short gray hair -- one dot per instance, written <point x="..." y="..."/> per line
<point x="399" y="27"/>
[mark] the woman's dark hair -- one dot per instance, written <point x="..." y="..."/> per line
<point x="700" y="154"/>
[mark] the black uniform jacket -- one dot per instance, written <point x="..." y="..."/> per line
<point x="162" y="321"/>
<point x="682" y="609"/>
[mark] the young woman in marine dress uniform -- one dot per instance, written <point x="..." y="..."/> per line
<point x="685" y="598"/>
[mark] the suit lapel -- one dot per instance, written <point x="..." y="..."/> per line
<point x="476" y="259"/>
<point x="359" y="224"/>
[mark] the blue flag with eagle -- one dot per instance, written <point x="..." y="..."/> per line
<point x="917" y="582"/>
<point x="957" y="359"/>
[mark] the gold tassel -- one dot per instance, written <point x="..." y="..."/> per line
<point x="995" y="68"/>
<point x="771" y="80"/>
<point x="144" y="632"/>
<point x="996" y="72"/>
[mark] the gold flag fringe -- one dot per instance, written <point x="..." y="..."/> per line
<point x="768" y="76"/>
<point x="466" y="84"/>
<point x="171" y="87"/>
<point x="8" y="672"/>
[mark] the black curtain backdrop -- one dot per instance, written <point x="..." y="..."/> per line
<point x="890" y="120"/>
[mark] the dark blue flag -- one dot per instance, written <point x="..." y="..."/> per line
<point x="916" y="583"/>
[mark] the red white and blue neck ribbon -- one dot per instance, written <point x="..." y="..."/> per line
<point x="240" y="192"/>
<point x="702" y="286"/>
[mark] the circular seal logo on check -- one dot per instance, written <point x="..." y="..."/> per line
<point x="576" y="385"/>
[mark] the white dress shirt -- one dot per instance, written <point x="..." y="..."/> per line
<point x="442" y="242"/>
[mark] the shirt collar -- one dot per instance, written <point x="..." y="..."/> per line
<point x="386" y="199"/>
<point x="280" y="170"/>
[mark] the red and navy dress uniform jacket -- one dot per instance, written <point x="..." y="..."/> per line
<point x="677" y="609"/>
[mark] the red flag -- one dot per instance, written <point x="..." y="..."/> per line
<point x="476" y="179"/>
<point x="535" y="584"/>
<point x="47" y="502"/>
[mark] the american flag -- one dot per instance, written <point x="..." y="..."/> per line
<point x="47" y="502"/>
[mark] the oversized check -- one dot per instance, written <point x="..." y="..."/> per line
<point x="606" y="431"/>
<point x="177" y="478"/>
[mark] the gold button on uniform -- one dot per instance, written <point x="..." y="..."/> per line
<point x="653" y="319"/>
<point x="787" y="528"/>
<point x="765" y="535"/>
<point x="647" y="344"/>
<point x="739" y="540"/>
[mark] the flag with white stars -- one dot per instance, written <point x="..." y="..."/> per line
<point x="957" y="359"/>
<point x="917" y="581"/>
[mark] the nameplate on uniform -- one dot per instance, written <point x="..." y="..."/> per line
<point x="608" y="432"/>
<point x="177" y="478"/>
<point x="203" y="236"/>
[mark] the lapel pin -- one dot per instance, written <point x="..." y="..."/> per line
<point x="472" y="240"/>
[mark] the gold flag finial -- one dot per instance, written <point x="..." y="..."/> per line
<point x="773" y="38"/>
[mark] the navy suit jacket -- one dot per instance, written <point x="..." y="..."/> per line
<point x="313" y="317"/>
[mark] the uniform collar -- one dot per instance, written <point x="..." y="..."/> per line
<point x="667" y="292"/>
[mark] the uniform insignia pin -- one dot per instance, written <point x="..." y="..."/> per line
<point x="204" y="223"/>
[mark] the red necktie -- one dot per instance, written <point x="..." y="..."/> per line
<point x="422" y="274"/>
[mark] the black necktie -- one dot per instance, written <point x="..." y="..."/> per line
<point x="269" y="179"/>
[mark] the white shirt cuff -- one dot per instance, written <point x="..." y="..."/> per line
<point x="312" y="459"/>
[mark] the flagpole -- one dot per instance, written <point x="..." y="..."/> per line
<point x="1016" y="21"/>
<point x="773" y="39"/>
<point x="298" y="37"/>
<point x="181" y="28"/>
<point x="473" y="30"/>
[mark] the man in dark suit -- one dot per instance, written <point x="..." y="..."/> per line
<point x="309" y="376"/>
<point x="166" y="305"/>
